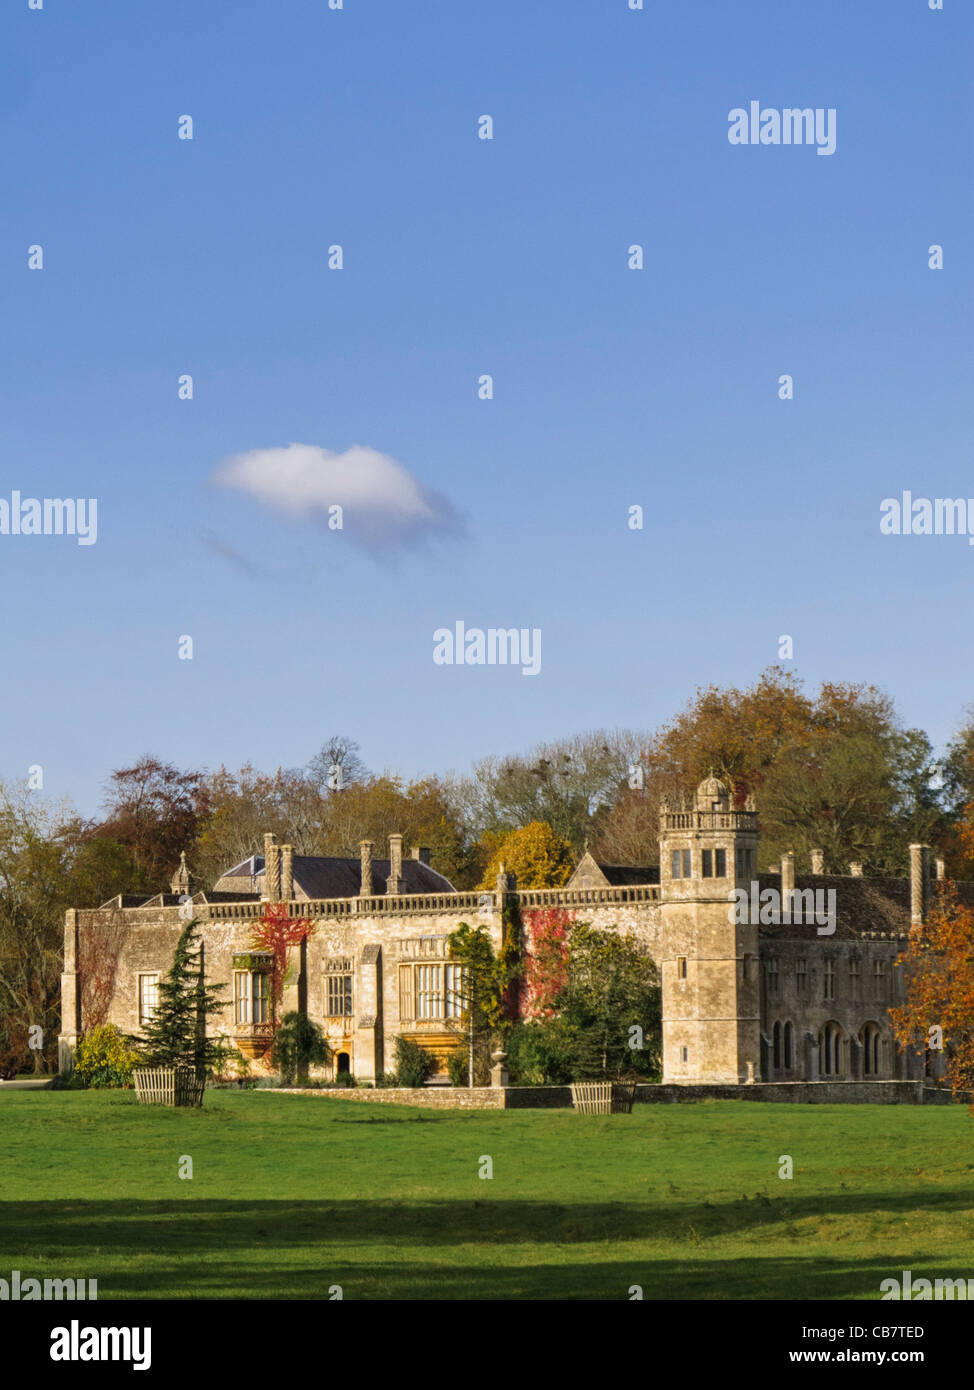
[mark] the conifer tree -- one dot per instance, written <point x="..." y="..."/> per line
<point x="176" y="1033"/>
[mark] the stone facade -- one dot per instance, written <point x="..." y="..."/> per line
<point x="745" y="998"/>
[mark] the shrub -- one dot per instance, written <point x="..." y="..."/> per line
<point x="414" y="1065"/>
<point x="458" y="1065"/>
<point x="298" y="1044"/>
<point x="104" y="1058"/>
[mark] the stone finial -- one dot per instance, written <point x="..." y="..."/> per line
<point x="818" y="861"/>
<point x="182" y="881"/>
<point x="395" y="883"/>
<point x="365" y="855"/>
<point x="855" y="868"/>
<point x="272" y="868"/>
<point x="941" y="869"/>
<point x="506" y="883"/>
<point x="749" y="804"/>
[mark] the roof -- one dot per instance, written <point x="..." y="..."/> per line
<point x="325" y="877"/>
<point x="622" y="875"/>
<point x="864" y="907"/>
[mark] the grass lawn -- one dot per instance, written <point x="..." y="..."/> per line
<point x="293" y="1194"/>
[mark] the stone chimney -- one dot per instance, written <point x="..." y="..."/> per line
<point x="423" y="854"/>
<point x="287" y="873"/>
<point x="787" y="879"/>
<point x="941" y="870"/>
<point x="365" y="851"/>
<point x="272" y="869"/>
<point x="395" y="883"/>
<point x="919" y="883"/>
<point x="818" y="861"/>
<point x="855" y="868"/>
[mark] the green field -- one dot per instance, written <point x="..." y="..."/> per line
<point x="293" y="1194"/>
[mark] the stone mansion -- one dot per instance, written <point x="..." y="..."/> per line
<point x="746" y="996"/>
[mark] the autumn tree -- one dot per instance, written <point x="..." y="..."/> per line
<point x="939" y="981"/>
<point x="379" y="807"/>
<point x="154" y="810"/>
<point x="562" y="783"/>
<point x="242" y="806"/>
<point x="539" y="858"/>
<point x="34" y="891"/>
<point x="836" y="771"/>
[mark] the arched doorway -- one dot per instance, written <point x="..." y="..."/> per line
<point x="343" y="1065"/>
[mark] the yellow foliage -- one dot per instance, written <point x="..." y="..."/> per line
<point x="539" y="857"/>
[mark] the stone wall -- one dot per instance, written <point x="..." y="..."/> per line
<point x="435" y="1097"/>
<point x="560" y="1097"/>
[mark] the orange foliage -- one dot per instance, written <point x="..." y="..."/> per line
<point x="939" y="973"/>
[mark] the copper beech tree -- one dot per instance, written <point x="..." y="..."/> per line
<point x="939" y="978"/>
<point x="276" y="931"/>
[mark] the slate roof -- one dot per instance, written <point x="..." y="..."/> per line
<point x="325" y="877"/>
<point x="623" y="875"/>
<point x="863" y="906"/>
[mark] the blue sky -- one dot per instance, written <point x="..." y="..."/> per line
<point x="462" y="256"/>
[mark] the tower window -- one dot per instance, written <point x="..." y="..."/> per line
<point x="685" y="1054"/>
<point x="680" y="863"/>
<point x="828" y="980"/>
<point x="720" y="863"/>
<point x="681" y="968"/>
<point x="707" y="863"/>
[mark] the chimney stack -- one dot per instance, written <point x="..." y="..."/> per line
<point x="941" y="870"/>
<point x="818" y="861"/>
<point x="365" y="851"/>
<point x="395" y="883"/>
<point x="919" y="883"/>
<point x="272" y="869"/>
<point x="787" y="880"/>
<point x="855" y="868"/>
<point x="287" y="873"/>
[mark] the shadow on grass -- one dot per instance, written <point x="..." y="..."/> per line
<point x="298" y="1249"/>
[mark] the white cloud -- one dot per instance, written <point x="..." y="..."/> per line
<point x="384" y="505"/>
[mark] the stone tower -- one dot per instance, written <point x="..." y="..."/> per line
<point x="709" y="962"/>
